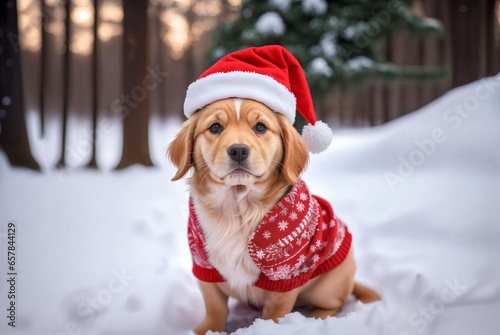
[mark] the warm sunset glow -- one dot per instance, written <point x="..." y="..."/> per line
<point x="82" y="39"/>
<point x="183" y="5"/>
<point x="54" y="24"/>
<point x="107" y="30"/>
<point x="234" y="2"/>
<point x="207" y="8"/>
<point x="83" y="16"/>
<point x="200" y="27"/>
<point x="176" y="32"/>
<point x="78" y="3"/>
<point x="110" y="21"/>
<point x="110" y="12"/>
<point x="176" y="35"/>
<point x="81" y="43"/>
<point x="23" y="5"/>
<point x="29" y="22"/>
<point x="53" y="2"/>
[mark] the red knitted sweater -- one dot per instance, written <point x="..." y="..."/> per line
<point x="298" y="239"/>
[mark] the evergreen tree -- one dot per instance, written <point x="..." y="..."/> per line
<point x="335" y="41"/>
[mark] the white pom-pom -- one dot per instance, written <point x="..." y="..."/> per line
<point x="317" y="137"/>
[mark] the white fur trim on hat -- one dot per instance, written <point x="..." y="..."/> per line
<point x="239" y="84"/>
<point x="317" y="137"/>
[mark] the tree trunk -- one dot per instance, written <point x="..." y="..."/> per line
<point x="162" y="55"/>
<point x="66" y="83"/>
<point x="43" y="62"/>
<point x="134" y="102"/>
<point x="13" y="132"/>
<point x="95" y="88"/>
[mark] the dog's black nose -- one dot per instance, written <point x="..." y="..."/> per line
<point x="238" y="152"/>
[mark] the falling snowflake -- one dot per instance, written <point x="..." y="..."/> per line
<point x="303" y="196"/>
<point x="293" y="216"/>
<point x="266" y="235"/>
<point x="283" y="225"/>
<point x="300" y="206"/>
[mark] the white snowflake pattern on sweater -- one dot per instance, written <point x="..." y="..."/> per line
<point x="300" y="206"/>
<point x="283" y="225"/>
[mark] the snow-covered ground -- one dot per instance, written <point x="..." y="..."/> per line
<point x="106" y="253"/>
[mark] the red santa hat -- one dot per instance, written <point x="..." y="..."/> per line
<point x="268" y="74"/>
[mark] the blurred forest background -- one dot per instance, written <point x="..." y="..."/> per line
<point x="131" y="62"/>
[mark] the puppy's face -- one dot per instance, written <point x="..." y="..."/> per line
<point x="238" y="142"/>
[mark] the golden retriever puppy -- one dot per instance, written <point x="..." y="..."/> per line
<point x="246" y="194"/>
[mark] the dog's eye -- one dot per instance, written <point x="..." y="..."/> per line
<point x="260" y="128"/>
<point x="215" y="128"/>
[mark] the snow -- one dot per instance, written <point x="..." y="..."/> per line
<point x="107" y="253"/>
<point x="359" y="63"/>
<point x="283" y="5"/>
<point x="314" y="7"/>
<point x="328" y="43"/>
<point x="320" y="66"/>
<point x="349" y="33"/>
<point x="434" y="23"/>
<point x="270" y="23"/>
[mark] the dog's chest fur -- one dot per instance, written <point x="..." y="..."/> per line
<point x="228" y="217"/>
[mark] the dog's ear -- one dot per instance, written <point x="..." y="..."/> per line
<point x="295" y="151"/>
<point x="181" y="148"/>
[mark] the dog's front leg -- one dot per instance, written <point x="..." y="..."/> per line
<point x="216" y="308"/>
<point x="278" y="304"/>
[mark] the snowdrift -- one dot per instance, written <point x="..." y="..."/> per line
<point x="106" y="253"/>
